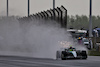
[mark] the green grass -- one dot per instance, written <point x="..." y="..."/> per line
<point x="93" y="53"/>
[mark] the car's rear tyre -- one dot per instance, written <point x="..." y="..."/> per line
<point x="57" y="55"/>
<point x="63" y="54"/>
<point x="62" y="57"/>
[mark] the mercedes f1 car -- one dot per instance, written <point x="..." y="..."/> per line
<point x="71" y="53"/>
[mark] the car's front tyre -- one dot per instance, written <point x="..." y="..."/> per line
<point x="84" y="55"/>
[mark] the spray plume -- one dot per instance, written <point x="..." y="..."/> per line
<point x="37" y="38"/>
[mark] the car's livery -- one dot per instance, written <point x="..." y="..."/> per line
<point x="73" y="53"/>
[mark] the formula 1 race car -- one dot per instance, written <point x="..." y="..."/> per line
<point x="71" y="53"/>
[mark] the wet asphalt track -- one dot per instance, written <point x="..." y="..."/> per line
<point x="11" y="61"/>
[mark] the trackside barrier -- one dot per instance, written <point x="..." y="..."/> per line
<point x="58" y="14"/>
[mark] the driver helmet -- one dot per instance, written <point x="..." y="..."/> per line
<point x="70" y="46"/>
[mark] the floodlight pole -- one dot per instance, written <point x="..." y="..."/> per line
<point x="54" y="8"/>
<point x="28" y="8"/>
<point x="90" y="20"/>
<point x="53" y="4"/>
<point x="7" y="8"/>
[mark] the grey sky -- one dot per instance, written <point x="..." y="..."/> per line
<point x="19" y="7"/>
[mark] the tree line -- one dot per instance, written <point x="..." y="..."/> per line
<point x="79" y="22"/>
